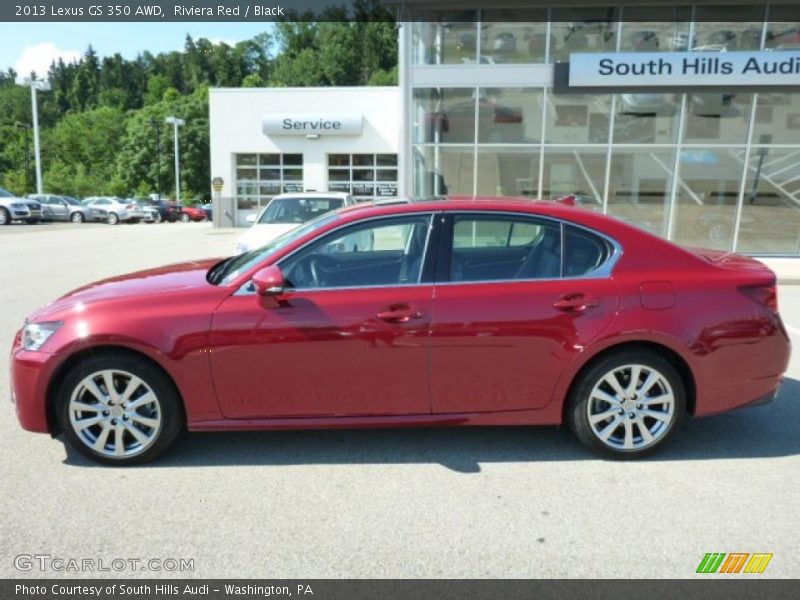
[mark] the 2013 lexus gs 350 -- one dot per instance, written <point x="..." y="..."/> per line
<point x="449" y="312"/>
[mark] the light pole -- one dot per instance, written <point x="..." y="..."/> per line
<point x="157" y="126"/>
<point x="44" y="86"/>
<point x="176" y="122"/>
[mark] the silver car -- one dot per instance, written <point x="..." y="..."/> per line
<point x="112" y="210"/>
<point x="13" y="208"/>
<point x="61" y="208"/>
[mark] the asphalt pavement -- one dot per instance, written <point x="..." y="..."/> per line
<point x="425" y="503"/>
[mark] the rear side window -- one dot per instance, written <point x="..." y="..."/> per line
<point x="584" y="252"/>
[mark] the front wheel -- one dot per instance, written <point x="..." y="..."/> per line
<point x="77" y="217"/>
<point x="117" y="409"/>
<point x="5" y="217"/>
<point x="627" y="404"/>
<point x="112" y="219"/>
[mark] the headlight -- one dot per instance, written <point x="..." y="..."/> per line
<point x="34" y="335"/>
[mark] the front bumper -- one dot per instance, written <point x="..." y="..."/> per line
<point x="30" y="373"/>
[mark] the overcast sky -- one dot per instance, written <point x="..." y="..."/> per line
<point x="32" y="46"/>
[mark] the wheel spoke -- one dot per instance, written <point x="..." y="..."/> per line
<point x="140" y="436"/>
<point x="119" y="444"/>
<point x="658" y="415"/>
<point x="108" y="379"/>
<point x="606" y="432"/>
<point x="147" y="421"/>
<point x="84" y="423"/>
<point x="601" y="395"/>
<point x="595" y="419"/>
<point x="663" y="399"/>
<point x="648" y="383"/>
<point x="141" y="401"/>
<point x="628" y="443"/>
<point x="611" y="379"/>
<point x="92" y="387"/>
<point x="647" y="437"/>
<point x="83" y="407"/>
<point x="634" y="381"/>
<point x="100" y="442"/>
<point x="133" y="385"/>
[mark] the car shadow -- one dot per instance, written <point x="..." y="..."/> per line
<point x="758" y="432"/>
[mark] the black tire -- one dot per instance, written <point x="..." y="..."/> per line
<point x="77" y="217"/>
<point x="5" y="217"/>
<point x="112" y="219"/>
<point x="185" y="218"/>
<point x="632" y="412"/>
<point x="156" y="217"/>
<point x="169" y="404"/>
<point x="32" y="221"/>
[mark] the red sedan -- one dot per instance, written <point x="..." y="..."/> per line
<point x="457" y="312"/>
<point x="191" y="213"/>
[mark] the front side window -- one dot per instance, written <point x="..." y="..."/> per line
<point x="374" y="254"/>
<point x="492" y="248"/>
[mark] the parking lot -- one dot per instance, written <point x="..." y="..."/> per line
<point x="424" y="503"/>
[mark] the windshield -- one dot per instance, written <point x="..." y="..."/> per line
<point x="298" y="210"/>
<point x="6" y="194"/>
<point x="230" y="268"/>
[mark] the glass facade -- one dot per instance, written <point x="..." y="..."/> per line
<point x="717" y="169"/>
<point x="260" y="177"/>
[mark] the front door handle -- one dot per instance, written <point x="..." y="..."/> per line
<point x="576" y="303"/>
<point x="400" y="313"/>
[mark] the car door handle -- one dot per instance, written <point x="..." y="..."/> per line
<point x="399" y="314"/>
<point x="576" y="303"/>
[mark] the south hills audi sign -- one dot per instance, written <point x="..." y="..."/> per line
<point x="671" y="70"/>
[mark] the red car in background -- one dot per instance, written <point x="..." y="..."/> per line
<point x="460" y="312"/>
<point x="191" y="213"/>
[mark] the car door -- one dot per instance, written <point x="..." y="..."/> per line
<point x="59" y="208"/>
<point x="349" y="338"/>
<point x="510" y="313"/>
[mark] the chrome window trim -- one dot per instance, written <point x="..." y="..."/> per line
<point x="604" y="271"/>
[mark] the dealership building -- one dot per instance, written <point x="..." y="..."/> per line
<point x="684" y="120"/>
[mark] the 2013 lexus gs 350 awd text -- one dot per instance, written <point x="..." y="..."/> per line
<point x="448" y="312"/>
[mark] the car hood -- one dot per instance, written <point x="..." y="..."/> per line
<point x="261" y="234"/>
<point x="170" y="278"/>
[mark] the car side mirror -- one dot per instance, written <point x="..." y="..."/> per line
<point x="250" y="219"/>
<point x="269" y="281"/>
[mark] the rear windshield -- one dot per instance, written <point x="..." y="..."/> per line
<point x="298" y="210"/>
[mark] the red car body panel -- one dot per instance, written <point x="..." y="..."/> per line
<point x="474" y="354"/>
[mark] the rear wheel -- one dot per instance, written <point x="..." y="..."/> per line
<point x="77" y="217"/>
<point x="119" y="410"/>
<point x="112" y="219"/>
<point x="185" y="218"/>
<point x="627" y="404"/>
<point x="5" y="217"/>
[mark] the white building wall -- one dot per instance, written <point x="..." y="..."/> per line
<point x="236" y="115"/>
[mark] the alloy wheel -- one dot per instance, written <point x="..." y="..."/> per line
<point x="631" y="407"/>
<point x="115" y="413"/>
<point x="77" y="217"/>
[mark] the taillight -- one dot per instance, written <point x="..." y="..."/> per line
<point x="766" y="295"/>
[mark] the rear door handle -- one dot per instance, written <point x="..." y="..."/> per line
<point x="402" y="313"/>
<point x="576" y="303"/>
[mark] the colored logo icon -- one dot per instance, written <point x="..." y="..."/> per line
<point x="734" y="562"/>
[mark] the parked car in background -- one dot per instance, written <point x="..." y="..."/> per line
<point x="151" y="214"/>
<point x="61" y="208"/>
<point x="113" y="210"/>
<point x="463" y="312"/>
<point x="208" y="208"/>
<point x="192" y="213"/>
<point x="287" y="211"/>
<point x="13" y="208"/>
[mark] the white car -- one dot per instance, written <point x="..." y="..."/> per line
<point x="287" y="211"/>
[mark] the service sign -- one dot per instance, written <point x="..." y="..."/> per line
<point x="684" y="69"/>
<point x="312" y="124"/>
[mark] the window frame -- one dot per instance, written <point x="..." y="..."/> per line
<point x="429" y="254"/>
<point x="443" y="266"/>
